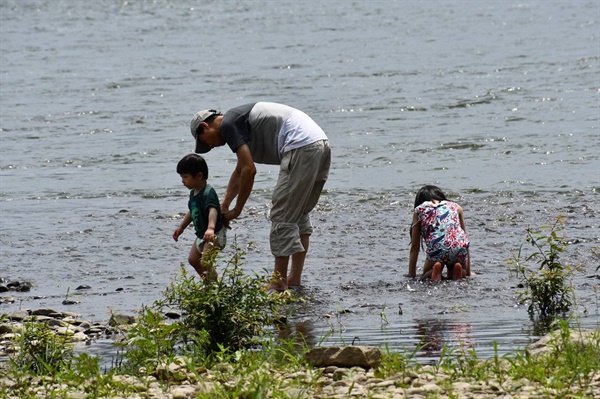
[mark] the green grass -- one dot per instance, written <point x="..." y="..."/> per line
<point x="278" y="370"/>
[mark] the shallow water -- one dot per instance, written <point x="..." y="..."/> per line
<point x="496" y="102"/>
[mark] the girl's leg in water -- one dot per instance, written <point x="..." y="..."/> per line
<point x="436" y="274"/>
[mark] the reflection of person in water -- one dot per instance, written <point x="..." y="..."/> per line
<point x="302" y="333"/>
<point x="437" y="334"/>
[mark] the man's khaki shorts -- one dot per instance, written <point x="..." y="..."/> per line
<point x="302" y="175"/>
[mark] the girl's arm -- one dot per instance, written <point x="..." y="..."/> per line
<point x="468" y="266"/>
<point x="415" y="244"/>
<point x="182" y="226"/>
<point x="461" y="217"/>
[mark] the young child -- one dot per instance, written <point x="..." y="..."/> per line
<point x="205" y="212"/>
<point x="440" y="223"/>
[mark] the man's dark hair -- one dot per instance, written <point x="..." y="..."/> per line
<point x="208" y="121"/>
<point x="193" y="164"/>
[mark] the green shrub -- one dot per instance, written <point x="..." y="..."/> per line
<point x="149" y="342"/>
<point x="218" y="317"/>
<point x="546" y="287"/>
<point x="41" y="350"/>
<point x="232" y="312"/>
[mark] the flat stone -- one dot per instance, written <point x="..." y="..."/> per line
<point x="347" y="356"/>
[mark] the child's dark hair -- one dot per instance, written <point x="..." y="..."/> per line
<point x="193" y="164"/>
<point x="429" y="193"/>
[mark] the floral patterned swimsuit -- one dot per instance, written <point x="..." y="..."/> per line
<point x="444" y="238"/>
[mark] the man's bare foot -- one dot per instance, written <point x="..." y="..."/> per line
<point x="293" y="281"/>
<point x="436" y="274"/>
<point x="276" y="286"/>
<point x="457" y="272"/>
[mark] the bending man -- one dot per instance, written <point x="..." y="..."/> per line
<point x="274" y="134"/>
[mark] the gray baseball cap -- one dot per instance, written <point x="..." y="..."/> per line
<point x="199" y="117"/>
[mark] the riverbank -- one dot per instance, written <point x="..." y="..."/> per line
<point x="565" y="364"/>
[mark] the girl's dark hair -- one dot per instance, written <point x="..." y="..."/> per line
<point x="193" y="164"/>
<point x="429" y="193"/>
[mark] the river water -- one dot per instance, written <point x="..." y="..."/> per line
<point x="497" y="102"/>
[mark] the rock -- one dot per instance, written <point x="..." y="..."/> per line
<point x="431" y="388"/>
<point x="79" y="337"/>
<point x="6" y="328"/>
<point x="65" y="331"/>
<point x="118" y="319"/>
<point x="18" y="315"/>
<point x="45" y="312"/>
<point x="183" y="392"/>
<point x="552" y="341"/>
<point x="173" y="315"/>
<point x="24" y="287"/>
<point x="348" y="356"/>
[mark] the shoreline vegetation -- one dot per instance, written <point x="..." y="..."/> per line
<point x="563" y="364"/>
<point x="215" y="340"/>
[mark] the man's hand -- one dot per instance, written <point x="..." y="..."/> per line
<point x="228" y="216"/>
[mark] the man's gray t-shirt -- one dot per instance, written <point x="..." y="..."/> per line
<point x="262" y="126"/>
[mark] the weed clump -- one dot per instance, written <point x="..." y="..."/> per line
<point x="230" y="313"/>
<point x="41" y="352"/>
<point x="547" y="286"/>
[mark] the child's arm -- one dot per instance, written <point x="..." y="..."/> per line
<point x="461" y="218"/>
<point x="182" y="226"/>
<point x="209" y="234"/>
<point x="468" y="266"/>
<point x="415" y="243"/>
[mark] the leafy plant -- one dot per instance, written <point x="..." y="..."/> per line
<point x="233" y="312"/>
<point x="547" y="287"/>
<point x="41" y="351"/>
<point x="149" y="342"/>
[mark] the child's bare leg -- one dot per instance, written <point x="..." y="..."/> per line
<point x="206" y="261"/>
<point x="436" y="273"/>
<point x="295" y="277"/>
<point x="468" y="264"/>
<point x="428" y="268"/>
<point x="457" y="272"/>
<point x="195" y="259"/>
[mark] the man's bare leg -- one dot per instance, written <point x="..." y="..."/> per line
<point x="294" y="279"/>
<point x="279" y="282"/>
